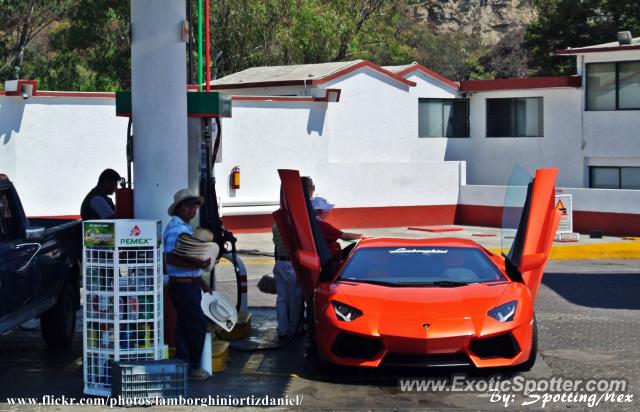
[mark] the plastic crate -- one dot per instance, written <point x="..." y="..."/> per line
<point x="150" y="379"/>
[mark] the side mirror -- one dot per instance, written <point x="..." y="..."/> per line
<point x="35" y="233"/>
<point x="532" y="262"/>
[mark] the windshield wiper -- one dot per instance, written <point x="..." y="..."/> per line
<point x="447" y="284"/>
<point x="440" y="283"/>
<point x="373" y="282"/>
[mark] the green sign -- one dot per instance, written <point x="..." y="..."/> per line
<point x="99" y="234"/>
<point x="199" y="104"/>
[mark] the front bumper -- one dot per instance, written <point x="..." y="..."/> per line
<point x="445" y="343"/>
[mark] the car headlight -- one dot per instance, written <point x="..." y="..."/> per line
<point x="345" y="312"/>
<point x="504" y="313"/>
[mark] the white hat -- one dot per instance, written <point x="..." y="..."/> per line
<point x="203" y="234"/>
<point x="190" y="247"/>
<point x="217" y="307"/>
<point x="179" y="196"/>
<point x="320" y="203"/>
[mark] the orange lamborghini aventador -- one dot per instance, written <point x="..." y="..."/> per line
<point x="425" y="302"/>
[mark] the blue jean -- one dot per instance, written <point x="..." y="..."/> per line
<point x="191" y="325"/>
<point x="289" y="300"/>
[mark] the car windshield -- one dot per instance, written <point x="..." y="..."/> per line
<point x="433" y="265"/>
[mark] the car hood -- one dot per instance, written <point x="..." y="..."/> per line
<point x="390" y="309"/>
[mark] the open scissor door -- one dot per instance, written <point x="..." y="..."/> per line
<point x="529" y="224"/>
<point x="300" y="232"/>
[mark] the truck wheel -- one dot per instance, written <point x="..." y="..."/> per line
<point x="58" y="324"/>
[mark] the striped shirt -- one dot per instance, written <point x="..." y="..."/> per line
<point x="175" y="228"/>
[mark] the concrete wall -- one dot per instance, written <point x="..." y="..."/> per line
<point x="610" y="137"/>
<point x="616" y="212"/>
<point x="362" y="151"/>
<point x="54" y="148"/>
<point x="491" y="159"/>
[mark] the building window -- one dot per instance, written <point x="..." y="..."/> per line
<point x="613" y="86"/>
<point x="443" y="118"/>
<point x="515" y="117"/>
<point x="607" y="177"/>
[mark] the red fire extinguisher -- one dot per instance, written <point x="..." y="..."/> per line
<point x="124" y="195"/>
<point x="124" y="202"/>
<point x="235" y="178"/>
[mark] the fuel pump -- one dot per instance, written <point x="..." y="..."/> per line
<point x="210" y="212"/>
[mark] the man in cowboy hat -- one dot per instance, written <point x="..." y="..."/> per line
<point x="185" y="284"/>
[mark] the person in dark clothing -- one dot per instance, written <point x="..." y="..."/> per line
<point x="97" y="204"/>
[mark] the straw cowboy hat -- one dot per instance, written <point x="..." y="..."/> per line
<point x="203" y="234"/>
<point x="194" y="248"/>
<point x="182" y="195"/>
<point x="217" y="307"/>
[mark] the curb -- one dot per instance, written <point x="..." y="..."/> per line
<point x="614" y="250"/>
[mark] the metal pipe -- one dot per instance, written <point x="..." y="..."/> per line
<point x="207" y="46"/>
<point x="200" y="44"/>
<point x="190" y="44"/>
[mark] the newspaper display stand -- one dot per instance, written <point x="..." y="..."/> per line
<point x="122" y="297"/>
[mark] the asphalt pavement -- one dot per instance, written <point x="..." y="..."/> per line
<point x="587" y="313"/>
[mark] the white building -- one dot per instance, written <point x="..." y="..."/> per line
<point x="430" y="123"/>
<point x="390" y="146"/>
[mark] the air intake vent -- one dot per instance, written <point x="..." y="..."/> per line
<point x="501" y="346"/>
<point x="427" y="361"/>
<point x="347" y="345"/>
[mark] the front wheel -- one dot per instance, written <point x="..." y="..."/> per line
<point x="58" y="324"/>
<point x="528" y="364"/>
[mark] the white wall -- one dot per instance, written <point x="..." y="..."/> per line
<point x="588" y="200"/>
<point x="370" y="123"/>
<point x="54" y="148"/>
<point x="491" y="159"/>
<point x="362" y="151"/>
<point x="612" y="138"/>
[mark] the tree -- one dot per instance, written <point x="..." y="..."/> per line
<point x="280" y="32"/>
<point x="88" y="51"/>
<point x="575" y="23"/>
<point x="453" y="54"/>
<point x="20" y="22"/>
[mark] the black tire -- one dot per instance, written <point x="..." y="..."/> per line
<point x="58" y="324"/>
<point x="312" y="358"/>
<point x="311" y="350"/>
<point x="528" y="364"/>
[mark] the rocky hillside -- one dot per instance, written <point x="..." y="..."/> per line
<point x="500" y="25"/>
<point x="491" y="19"/>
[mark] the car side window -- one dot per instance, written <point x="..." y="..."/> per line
<point x="7" y="223"/>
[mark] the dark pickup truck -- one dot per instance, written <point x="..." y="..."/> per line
<point x="40" y="275"/>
